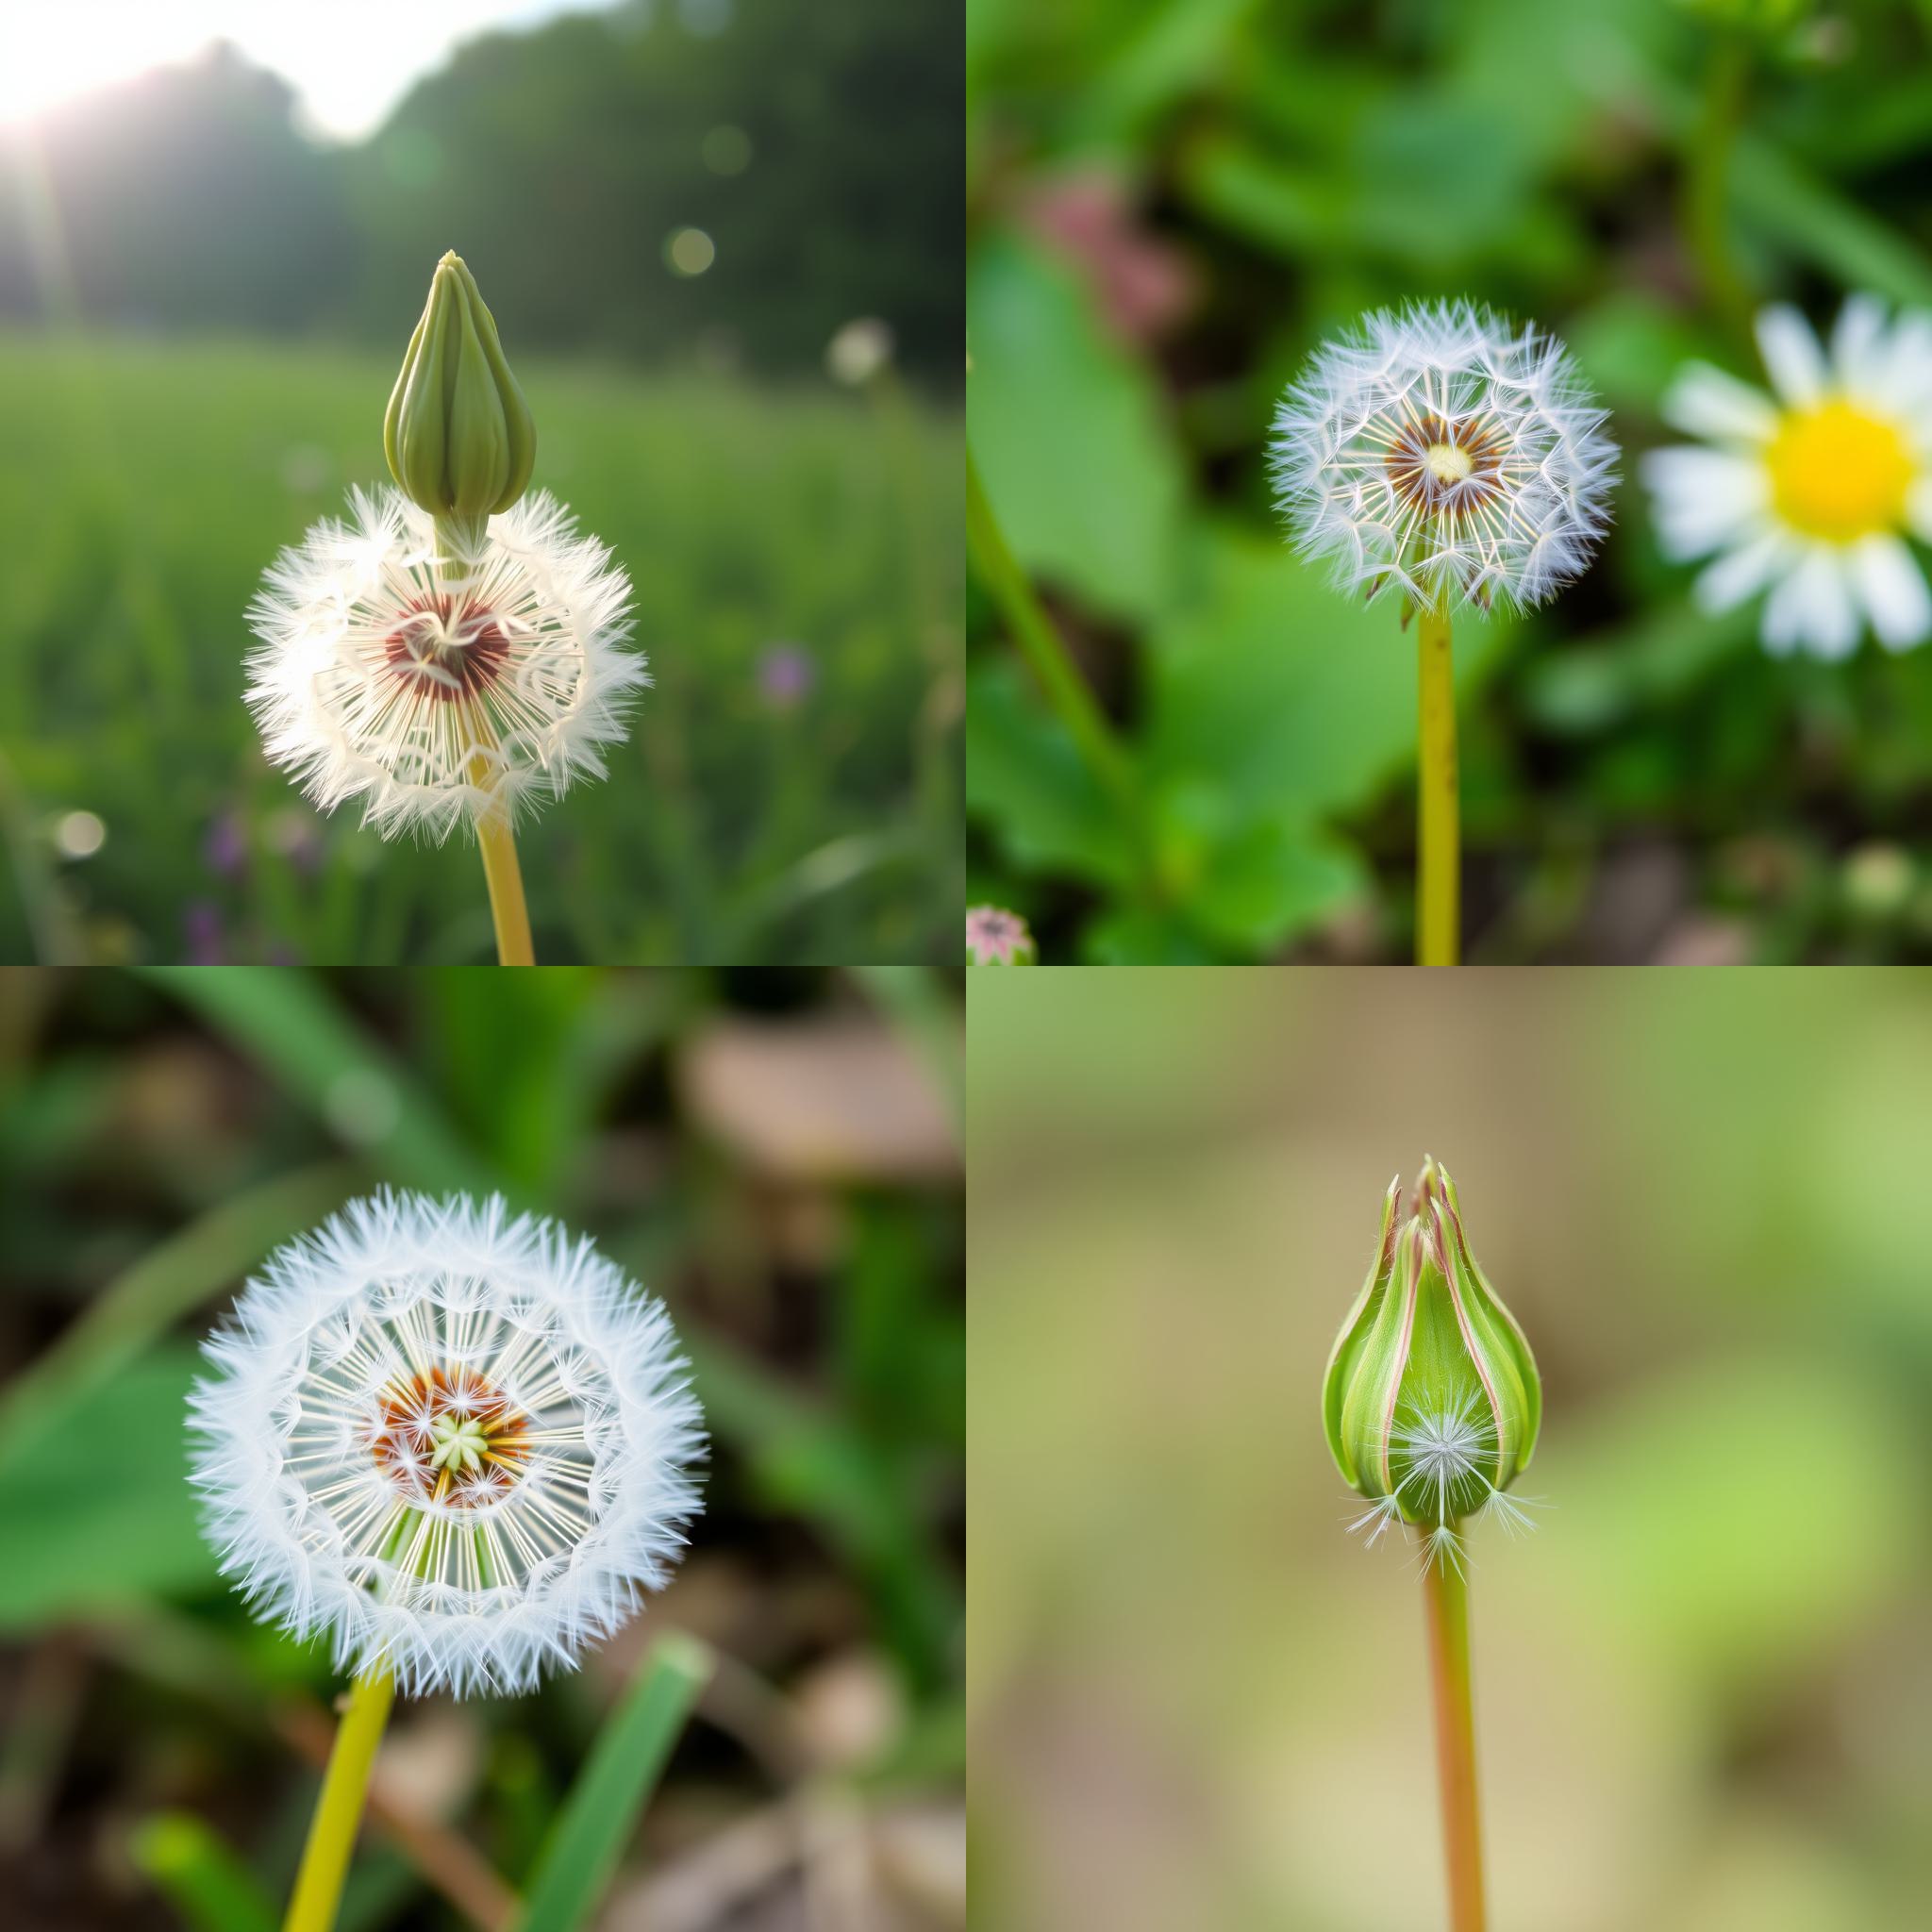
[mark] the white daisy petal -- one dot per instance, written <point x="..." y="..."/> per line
<point x="1741" y="573"/>
<point x="437" y="678"/>
<point x="1704" y="498"/>
<point x="1893" y="591"/>
<point x="1919" y="507"/>
<point x="1446" y="451"/>
<point x="1792" y="356"/>
<point x="453" y="1442"/>
<point x="1705" y="401"/>
<point x="1825" y="616"/>
<point x="1858" y="343"/>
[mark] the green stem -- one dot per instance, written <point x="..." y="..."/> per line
<point x="1046" y="653"/>
<point x="1438" y="831"/>
<point x="1707" y="184"/>
<point x="339" y="1811"/>
<point x="1447" y="1597"/>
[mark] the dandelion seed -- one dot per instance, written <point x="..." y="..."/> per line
<point x="1810" y="495"/>
<point x="455" y="1442"/>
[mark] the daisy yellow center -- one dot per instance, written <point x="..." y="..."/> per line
<point x="1448" y="462"/>
<point x="1839" y="473"/>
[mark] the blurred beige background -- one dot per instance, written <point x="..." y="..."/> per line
<point x="1704" y="1689"/>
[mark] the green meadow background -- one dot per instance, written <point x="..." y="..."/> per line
<point x="1701" y="1687"/>
<point x="203" y="310"/>
<point x="1173" y="203"/>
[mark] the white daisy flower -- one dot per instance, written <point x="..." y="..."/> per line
<point x="442" y="673"/>
<point x="1809" y="494"/>
<point x="1443" y="451"/>
<point x="455" y="1442"/>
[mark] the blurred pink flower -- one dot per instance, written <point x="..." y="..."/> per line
<point x="1142" y="284"/>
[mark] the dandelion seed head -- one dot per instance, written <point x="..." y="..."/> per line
<point x="438" y="675"/>
<point x="455" y="1442"/>
<point x="1443" y="452"/>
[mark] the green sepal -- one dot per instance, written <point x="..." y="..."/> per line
<point x="1346" y="1353"/>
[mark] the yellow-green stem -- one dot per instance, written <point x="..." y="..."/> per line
<point x="339" y="1811"/>
<point x="504" y="878"/>
<point x="1437" y="917"/>
<point x="1447" y="1597"/>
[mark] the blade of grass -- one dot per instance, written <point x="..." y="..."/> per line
<point x="285" y="1023"/>
<point x="140" y="1304"/>
<point x="205" y="1883"/>
<point x="624" y="1764"/>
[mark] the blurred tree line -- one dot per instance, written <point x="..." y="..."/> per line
<point x="819" y="148"/>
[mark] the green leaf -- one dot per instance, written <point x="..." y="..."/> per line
<point x="1247" y="882"/>
<point x="601" y="1811"/>
<point x="1025" y="776"/>
<point x="1299" y="701"/>
<point x="201" y="1877"/>
<point x="1077" y="459"/>
<point x="97" y="1512"/>
<point x="1132" y="936"/>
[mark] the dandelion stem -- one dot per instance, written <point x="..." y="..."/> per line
<point x="1438" y="859"/>
<point x="1446" y="1593"/>
<point x="1046" y="652"/>
<point x="504" y="878"/>
<point x="339" y="1811"/>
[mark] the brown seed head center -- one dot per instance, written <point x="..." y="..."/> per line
<point x="451" y="1436"/>
<point x="446" y="648"/>
<point x="1446" y="468"/>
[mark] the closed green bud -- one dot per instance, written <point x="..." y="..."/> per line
<point x="1432" y="1402"/>
<point x="458" y="433"/>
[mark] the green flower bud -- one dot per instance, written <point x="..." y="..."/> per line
<point x="1432" y="1402"/>
<point x="458" y="433"/>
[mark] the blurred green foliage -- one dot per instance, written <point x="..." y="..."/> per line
<point x="790" y="789"/>
<point x="159" y="1135"/>
<point x="1699" y="1687"/>
<point x="1171" y="203"/>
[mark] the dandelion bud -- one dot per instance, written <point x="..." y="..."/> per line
<point x="457" y="433"/>
<point x="1432" y="1400"/>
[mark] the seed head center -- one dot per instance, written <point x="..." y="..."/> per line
<point x="446" y="648"/>
<point x="460" y="1443"/>
<point x="1444" y="467"/>
<point x="1838" y="473"/>
<point x="449" y="1434"/>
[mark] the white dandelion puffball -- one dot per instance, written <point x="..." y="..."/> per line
<point x="435" y="675"/>
<point x="1441" y="450"/>
<point x="456" y="1442"/>
<point x="1811" y="492"/>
